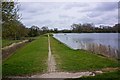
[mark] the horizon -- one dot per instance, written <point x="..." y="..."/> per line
<point x="63" y="15"/>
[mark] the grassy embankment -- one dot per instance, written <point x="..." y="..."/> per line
<point x="6" y="42"/>
<point x="78" y="60"/>
<point x="29" y="59"/>
<point x="114" y="75"/>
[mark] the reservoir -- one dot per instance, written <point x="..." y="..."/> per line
<point x="89" y="41"/>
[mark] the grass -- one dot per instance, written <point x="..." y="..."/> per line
<point x="28" y="60"/>
<point x="114" y="75"/>
<point x="78" y="60"/>
<point x="6" y="42"/>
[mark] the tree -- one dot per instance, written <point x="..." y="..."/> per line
<point x="116" y="27"/>
<point x="76" y="27"/>
<point x="87" y="27"/>
<point x="12" y="28"/>
<point x="45" y="29"/>
<point x="9" y="19"/>
<point x="34" y="31"/>
<point x="55" y="30"/>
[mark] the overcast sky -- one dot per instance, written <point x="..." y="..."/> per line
<point x="62" y="14"/>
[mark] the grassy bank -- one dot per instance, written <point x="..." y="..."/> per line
<point x="115" y="75"/>
<point x="6" y="42"/>
<point x="78" y="60"/>
<point x="28" y="59"/>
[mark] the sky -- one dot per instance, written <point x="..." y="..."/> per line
<point x="62" y="15"/>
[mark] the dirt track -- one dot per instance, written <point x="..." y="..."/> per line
<point x="52" y="73"/>
<point x="51" y="60"/>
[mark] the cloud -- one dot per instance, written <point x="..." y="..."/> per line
<point x="62" y="15"/>
<point x="107" y="6"/>
<point x="101" y="13"/>
<point x="45" y="21"/>
<point x="75" y="5"/>
<point x="95" y="14"/>
<point x="30" y="6"/>
<point x="101" y="6"/>
<point x="66" y="17"/>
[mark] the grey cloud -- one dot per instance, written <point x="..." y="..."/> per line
<point x="107" y="6"/>
<point x="105" y="11"/>
<point x="34" y="10"/>
<point x="30" y="7"/>
<point x="101" y="6"/>
<point x="98" y="19"/>
<point x="105" y="20"/>
<point x="45" y="22"/>
<point x="74" y="5"/>
<point x="34" y="22"/>
<point x="64" y="14"/>
<point x="66" y="17"/>
<point x="83" y="20"/>
<point x="95" y="14"/>
<point x="61" y="21"/>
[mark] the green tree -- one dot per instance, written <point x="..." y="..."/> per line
<point x="34" y="31"/>
<point x="45" y="29"/>
<point x="55" y="30"/>
<point x="12" y="28"/>
<point x="9" y="18"/>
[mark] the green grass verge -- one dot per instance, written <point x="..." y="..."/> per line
<point x="78" y="60"/>
<point x="115" y="75"/>
<point x="28" y="60"/>
<point x="6" y="42"/>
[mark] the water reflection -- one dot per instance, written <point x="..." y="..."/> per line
<point x="73" y="39"/>
<point x="90" y="41"/>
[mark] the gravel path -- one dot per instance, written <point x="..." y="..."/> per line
<point x="51" y="60"/>
<point x="63" y="75"/>
<point x="52" y="73"/>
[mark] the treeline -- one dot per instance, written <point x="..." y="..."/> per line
<point x="83" y="28"/>
<point x="12" y="28"/>
<point x="90" y="28"/>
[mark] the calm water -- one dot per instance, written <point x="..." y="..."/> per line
<point x="79" y="40"/>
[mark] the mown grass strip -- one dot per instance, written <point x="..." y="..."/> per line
<point x="28" y="59"/>
<point x="114" y="75"/>
<point x="6" y="42"/>
<point x="78" y="60"/>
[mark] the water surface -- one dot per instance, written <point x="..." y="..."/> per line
<point x="80" y="40"/>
